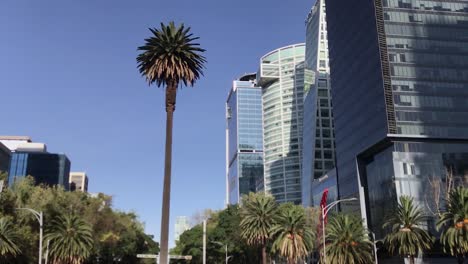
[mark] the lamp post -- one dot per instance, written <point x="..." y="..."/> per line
<point x="225" y="248"/>
<point x="375" y="247"/>
<point x="39" y="218"/>
<point x="325" y="211"/>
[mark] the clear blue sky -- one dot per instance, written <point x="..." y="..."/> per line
<point x="68" y="78"/>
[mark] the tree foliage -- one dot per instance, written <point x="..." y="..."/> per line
<point x="95" y="212"/>
<point x="8" y="240"/>
<point x="293" y="233"/>
<point x="347" y="241"/>
<point x="258" y="214"/>
<point x="454" y="224"/>
<point x="406" y="235"/>
<point x="70" y="239"/>
<point x="170" y="55"/>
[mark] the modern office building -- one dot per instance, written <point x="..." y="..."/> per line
<point x="13" y="142"/>
<point x="45" y="168"/>
<point x="325" y="183"/>
<point x="181" y="225"/>
<point x="318" y="151"/>
<point x="5" y="157"/>
<point x="281" y="76"/>
<point x="78" y="181"/>
<point x="399" y="76"/>
<point x="244" y="138"/>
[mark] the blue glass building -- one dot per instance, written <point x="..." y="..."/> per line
<point x="45" y="168"/>
<point x="244" y="139"/>
<point x="399" y="76"/>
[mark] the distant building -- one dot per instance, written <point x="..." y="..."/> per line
<point x="244" y="139"/>
<point x="78" y="181"/>
<point x="45" y="168"/>
<point x="182" y="224"/>
<point x="318" y="150"/>
<point x="281" y="76"/>
<point x="12" y="142"/>
<point x="5" y="157"/>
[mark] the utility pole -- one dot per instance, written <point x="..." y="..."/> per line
<point x="204" y="241"/>
<point x="40" y="219"/>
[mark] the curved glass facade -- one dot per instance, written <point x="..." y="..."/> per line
<point x="281" y="77"/>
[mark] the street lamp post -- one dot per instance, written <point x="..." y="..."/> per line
<point x="225" y="248"/>
<point x="39" y="218"/>
<point x="375" y="247"/>
<point x="325" y="211"/>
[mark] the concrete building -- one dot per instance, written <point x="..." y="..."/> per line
<point x="244" y="138"/>
<point x="182" y="224"/>
<point x="281" y="76"/>
<point x="318" y="150"/>
<point x="12" y="142"/>
<point x="399" y="76"/>
<point x="78" y="181"/>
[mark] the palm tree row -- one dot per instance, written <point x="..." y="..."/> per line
<point x="70" y="239"/>
<point x="286" y="230"/>
<point x="289" y="233"/>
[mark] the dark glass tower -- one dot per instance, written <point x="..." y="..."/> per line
<point x="318" y="150"/>
<point x="399" y="76"/>
<point x="5" y="156"/>
<point x="45" y="168"/>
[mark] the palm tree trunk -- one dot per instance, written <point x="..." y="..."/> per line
<point x="411" y="259"/>
<point x="264" y="255"/>
<point x="171" y="91"/>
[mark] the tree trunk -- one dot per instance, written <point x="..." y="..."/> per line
<point x="264" y="255"/>
<point x="171" y="91"/>
<point x="411" y="259"/>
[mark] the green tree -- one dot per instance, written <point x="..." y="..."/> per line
<point x="406" y="235"/>
<point x="258" y="214"/>
<point x="293" y="236"/>
<point x="347" y="241"/>
<point x="8" y="239"/>
<point x="168" y="57"/>
<point x="70" y="239"/>
<point x="454" y="224"/>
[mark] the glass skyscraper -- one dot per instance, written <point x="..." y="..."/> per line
<point x="281" y="76"/>
<point x="45" y="168"/>
<point x="244" y="139"/>
<point x="318" y="139"/>
<point x="399" y="76"/>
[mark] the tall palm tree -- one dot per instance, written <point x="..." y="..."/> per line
<point x="347" y="241"/>
<point x="8" y="239"/>
<point x="258" y="213"/>
<point x="70" y="238"/>
<point x="454" y="224"/>
<point x="293" y="235"/>
<point x="169" y="57"/>
<point x="406" y="236"/>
